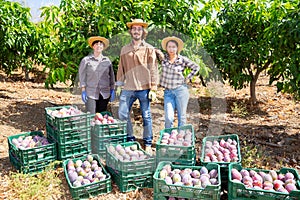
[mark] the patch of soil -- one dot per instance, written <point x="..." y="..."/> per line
<point x="271" y="126"/>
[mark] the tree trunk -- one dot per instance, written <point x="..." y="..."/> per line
<point x="252" y="89"/>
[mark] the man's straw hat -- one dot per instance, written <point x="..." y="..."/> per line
<point x="138" y="22"/>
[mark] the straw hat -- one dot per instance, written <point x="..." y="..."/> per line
<point x="167" y="39"/>
<point x="102" y="39"/>
<point x="139" y="22"/>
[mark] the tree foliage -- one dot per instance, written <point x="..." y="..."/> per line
<point x="74" y="21"/>
<point x="245" y="43"/>
<point x="285" y="34"/>
<point x="19" y="38"/>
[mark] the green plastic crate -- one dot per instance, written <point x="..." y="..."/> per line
<point x="179" y="154"/>
<point x="238" y="191"/>
<point x="105" y="130"/>
<point x="132" y="182"/>
<point x="191" y="162"/>
<point x="67" y="123"/>
<point x="162" y="189"/>
<point x="70" y="136"/>
<point x="92" y="189"/>
<point x="72" y="150"/>
<point x="28" y="168"/>
<point x="99" y="143"/>
<point x="223" y="165"/>
<point x="124" y="169"/>
<point x="35" y="154"/>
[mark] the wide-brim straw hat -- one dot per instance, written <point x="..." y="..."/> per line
<point x="138" y="22"/>
<point x="165" y="41"/>
<point x="102" y="39"/>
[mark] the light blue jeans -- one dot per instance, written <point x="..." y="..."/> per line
<point x="176" y="99"/>
<point x="127" y="98"/>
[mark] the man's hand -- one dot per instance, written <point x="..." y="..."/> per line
<point x="152" y="95"/>
<point x="84" y="96"/>
<point x="112" y="95"/>
<point x="118" y="91"/>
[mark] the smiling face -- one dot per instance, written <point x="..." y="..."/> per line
<point x="136" y="32"/>
<point x="172" y="47"/>
<point x="98" y="46"/>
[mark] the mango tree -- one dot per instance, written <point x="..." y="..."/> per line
<point x="251" y="36"/>
<point x="19" y="38"/>
<point x="285" y="34"/>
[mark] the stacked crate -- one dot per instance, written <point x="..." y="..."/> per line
<point x="130" y="174"/>
<point x="185" y="189"/>
<point x="177" y="154"/>
<point x="32" y="159"/>
<point x="215" y="140"/>
<point x="106" y="134"/>
<point x="72" y="134"/>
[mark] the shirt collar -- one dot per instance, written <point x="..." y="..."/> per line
<point x="167" y="58"/>
<point x="141" y="44"/>
<point x="91" y="55"/>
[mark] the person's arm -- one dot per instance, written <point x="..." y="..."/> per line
<point x="153" y="69"/>
<point x="112" y="77"/>
<point x="82" y="80"/>
<point x="120" y="71"/>
<point x="82" y="74"/>
<point x="193" y="66"/>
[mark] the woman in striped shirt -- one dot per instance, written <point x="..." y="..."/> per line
<point x="176" y="93"/>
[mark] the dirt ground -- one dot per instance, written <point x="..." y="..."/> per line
<point x="272" y="126"/>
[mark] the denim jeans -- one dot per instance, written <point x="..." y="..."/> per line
<point x="176" y="99"/>
<point x="127" y="98"/>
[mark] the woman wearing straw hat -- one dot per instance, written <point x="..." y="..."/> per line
<point x="176" y="94"/>
<point x="96" y="77"/>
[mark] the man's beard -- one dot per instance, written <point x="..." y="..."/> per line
<point x="136" y="37"/>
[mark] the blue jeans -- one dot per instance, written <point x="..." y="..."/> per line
<point x="176" y="99"/>
<point x="127" y="98"/>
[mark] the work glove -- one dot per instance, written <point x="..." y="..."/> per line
<point x="84" y="96"/>
<point x="118" y="91"/>
<point x="112" y="95"/>
<point x="152" y="95"/>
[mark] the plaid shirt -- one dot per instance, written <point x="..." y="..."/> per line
<point x="172" y="73"/>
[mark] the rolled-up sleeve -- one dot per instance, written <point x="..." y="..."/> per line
<point x="120" y="72"/>
<point x="153" y="64"/>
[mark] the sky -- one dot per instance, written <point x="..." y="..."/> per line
<point x="34" y="6"/>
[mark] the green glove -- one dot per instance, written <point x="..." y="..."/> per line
<point x="152" y="95"/>
<point x="118" y="91"/>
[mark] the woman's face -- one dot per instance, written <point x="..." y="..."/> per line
<point x="172" y="48"/>
<point x="98" y="47"/>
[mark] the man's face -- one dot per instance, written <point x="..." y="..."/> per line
<point x="136" y="32"/>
